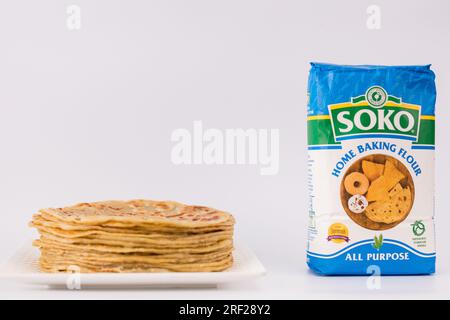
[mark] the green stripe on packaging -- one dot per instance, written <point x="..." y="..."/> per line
<point x="320" y="132"/>
<point x="426" y="132"/>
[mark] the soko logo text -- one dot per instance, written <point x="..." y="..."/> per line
<point x="375" y="114"/>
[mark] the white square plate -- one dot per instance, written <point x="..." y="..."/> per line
<point x="23" y="267"/>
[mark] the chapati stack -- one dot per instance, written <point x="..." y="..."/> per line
<point x="134" y="236"/>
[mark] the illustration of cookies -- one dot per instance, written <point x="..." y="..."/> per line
<point x="356" y="183"/>
<point x="357" y="203"/>
<point x="372" y="170"/>
<point x="377" y="192"/>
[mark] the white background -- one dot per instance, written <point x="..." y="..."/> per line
<point x="87" y="115"/>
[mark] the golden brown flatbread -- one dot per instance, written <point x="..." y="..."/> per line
<point x="126" y="214"/>
<point x="134" y="236"/>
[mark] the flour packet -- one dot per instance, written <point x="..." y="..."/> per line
<point x="371" y="169"/>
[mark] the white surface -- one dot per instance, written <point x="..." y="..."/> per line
<point x="87" y="115"/>
<point x="296" y="284"/>
<point x="23" y="269"/>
